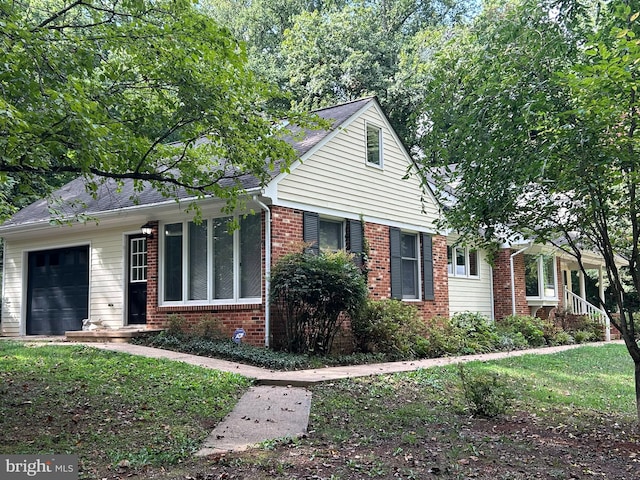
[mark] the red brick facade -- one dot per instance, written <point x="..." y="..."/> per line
<point x="250" y="317"/>
<point x="286" y="237"/>
<point x="502" y="295"/>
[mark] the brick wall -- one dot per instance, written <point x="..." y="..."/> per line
<point x="502" y="300"/>
<point x="249" y="317"/>
<point x="287" y="237"/>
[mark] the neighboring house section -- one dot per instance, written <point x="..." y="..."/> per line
<point x="348" y="191"/>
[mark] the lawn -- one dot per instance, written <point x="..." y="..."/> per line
<point x="110" y="409"/>
<point x="571" y="416"/>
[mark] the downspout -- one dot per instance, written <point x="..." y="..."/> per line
<point x="493" y="306"/>
<point x="267" y="270"/>
<point x="513" y="283"/>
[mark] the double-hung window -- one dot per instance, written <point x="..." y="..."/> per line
<point x="331" y="235"/>
<point x="409" y="252"/>
<point x="374" y="145"/>
<point x="211" y="263"/>
<point x="462" y="262"/>
<point x="540" y="277"/>
<point x="411" y="257"/>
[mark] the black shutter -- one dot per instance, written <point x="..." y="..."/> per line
<point x="395" y="255"/>
<point x="311" y="231"/>
<point x="356" y="244"/>
<point x="427" y="266"/>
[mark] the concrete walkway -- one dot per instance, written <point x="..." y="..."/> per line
<point x="305" y="378"/>
<point x="279" y="405"/>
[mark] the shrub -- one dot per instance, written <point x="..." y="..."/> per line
<point x="512" y="341"/>
<point x="583" y="336"/>
<point x="390" y="327"/>
<point x="561" y="338"/>
<point x="209" y="327"/>
<point x="476" y="333"/>
<point x="484" y="393"/>
<point x="441" y="340"/>
<point x="531" y="328"/>
<point x="311" y="294"/>
<point x="177" y="325"/>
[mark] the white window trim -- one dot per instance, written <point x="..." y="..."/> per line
<point x="132" y="268"/>
<point x="380" y="145"/>
<point x="185" y="263"/>
<point x="453" y="273"/>
<point x="541" y="288"/>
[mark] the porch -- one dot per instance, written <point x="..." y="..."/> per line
<point x="577" y="303"/>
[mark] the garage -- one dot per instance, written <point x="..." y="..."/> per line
<point x="57" y="290"/>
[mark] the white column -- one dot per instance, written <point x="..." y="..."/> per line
<point x="607" y="325"/>
<point x="583" y="290"/>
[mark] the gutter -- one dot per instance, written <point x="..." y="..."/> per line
<point x="513" y="286"/>
<point x="267" y="270"/>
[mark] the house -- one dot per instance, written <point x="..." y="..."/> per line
<point x="348" y="190"/>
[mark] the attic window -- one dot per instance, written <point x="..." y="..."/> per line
<point x="374" y="145"/>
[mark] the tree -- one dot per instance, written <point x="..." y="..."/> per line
<point x="130" y="89"/>
<point x="533" y="114"/>
<point x="332" y="51"/>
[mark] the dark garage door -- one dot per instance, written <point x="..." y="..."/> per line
<point x="57" y="290"/>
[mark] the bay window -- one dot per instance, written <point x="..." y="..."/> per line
<point x="208" y="263"/>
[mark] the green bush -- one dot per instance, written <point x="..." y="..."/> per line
<point x="484" y="393"/>
<point x="511" y="341"/>
<point x="390" y="327"/>
<point x="561" y="338"/>
<point x="583" y="336"/>
<point x="312" y="294"/>
<point x="209" y="327"/>
<point x="475" y="332"/>
<point x="531" y="328"/>
<point x="177" y="325"/>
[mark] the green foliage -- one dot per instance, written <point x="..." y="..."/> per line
<point x="106" y="89"/>
<point x="486" y="395"/>
<point x="561" y="338"/>
<point x="391" y="327"/>
<point x="546" y="95"/>
<point x="176" y="325"/>
<point x="210" y="327"/>
<point x="476" y="333"/>
<point x="245" y="353"/>
<point x="312" y="294"/>
<point x="531" y="328"/>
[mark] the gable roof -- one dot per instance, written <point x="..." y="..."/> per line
<point x="73" y="198"/>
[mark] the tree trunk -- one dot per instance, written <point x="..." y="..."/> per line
<point x="637" y="365"/>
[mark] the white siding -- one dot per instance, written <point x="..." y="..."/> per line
<point x="336" y="178"/>
<point x="106" y="272"/>
<point x="472" y="294"/>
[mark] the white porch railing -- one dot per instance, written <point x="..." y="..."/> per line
<point x="579" y="306"/>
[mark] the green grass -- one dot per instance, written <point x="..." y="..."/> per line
<point x="107" y="407"/>
<point x="582" y="384"/>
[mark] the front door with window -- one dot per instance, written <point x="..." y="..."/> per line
<point x="137" y="281"/>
